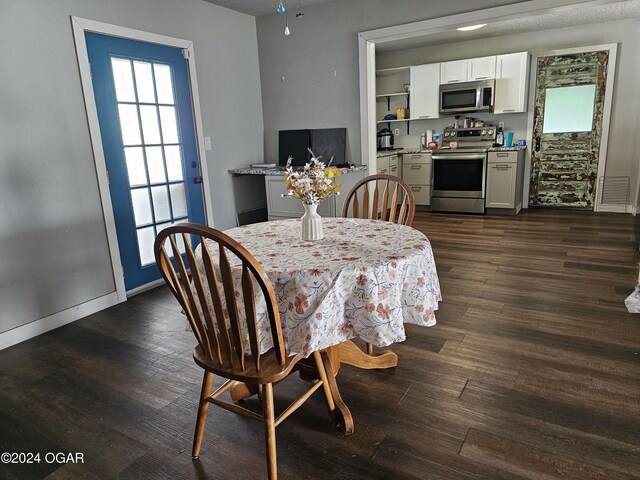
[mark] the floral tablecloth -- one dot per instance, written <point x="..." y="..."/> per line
<point x="364" y="279"/>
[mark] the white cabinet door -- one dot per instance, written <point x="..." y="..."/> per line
<point x="453" y="72"/>
<point x="501" y="185"/>
<point x="483" y="68"/>
<point x="512" y="80"/>
<point x="382" y="164"/>
<point x="394" y="166"/>
<point x="425" y="82"/>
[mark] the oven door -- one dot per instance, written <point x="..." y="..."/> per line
<point x="459" y="175"/>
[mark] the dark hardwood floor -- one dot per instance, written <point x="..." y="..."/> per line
<point x="531" y="372"/>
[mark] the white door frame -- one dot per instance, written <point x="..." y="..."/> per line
<point x="612" y="48"/>
<point x="80" y="26"/>
<point x="367" y="50"/>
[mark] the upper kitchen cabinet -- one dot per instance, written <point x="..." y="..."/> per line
<point x="483" y="68"/>
<point x="512" y="79"/>
<point x="425" y="81"/>
<point x="453" y="72"/>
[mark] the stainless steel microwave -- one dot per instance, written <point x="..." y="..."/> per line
<point x="467" y="97"/>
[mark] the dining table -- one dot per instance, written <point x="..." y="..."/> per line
<point x="365" y="279"/>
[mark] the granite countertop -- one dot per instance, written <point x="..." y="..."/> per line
<point x="384" y="153"/>
<point x="281" y="170"/>
<point x="515" y="148"/>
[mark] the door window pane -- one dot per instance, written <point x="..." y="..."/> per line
<point x="174" y="163"/>
<point x="123" y="80"/>
<point x="169" y="126"/>
<point x="164" y="84"/>
<point x="569" y="109"/>
<point x="150" y="129"/>
<point x="161" y="203"/>
<point x="141" y="206"/>
<point x="135" y="166"/>
<point x="156" y="165"/>
<point x="146" y="237"/>
<point x="144" y="82"/>
<point x="178" y="200"/>
<point x="129" y="124"/>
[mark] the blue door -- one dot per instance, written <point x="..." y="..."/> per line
<point x="143" y="99"/>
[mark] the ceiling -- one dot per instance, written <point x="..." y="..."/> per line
<point x="572" y="15"/>
<point x="264" y="7"/>
<point x="562" y="17"/>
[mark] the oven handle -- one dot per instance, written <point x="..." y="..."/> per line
<point x="460" y="156"/>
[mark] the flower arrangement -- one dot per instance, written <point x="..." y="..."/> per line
<point x="314" y="183"/>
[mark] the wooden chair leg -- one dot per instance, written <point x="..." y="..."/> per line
<point x="270" y="430"/>
<point x="201" y="420"/>
<point x="322" y="373"/>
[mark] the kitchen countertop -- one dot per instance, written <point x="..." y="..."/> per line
<point x="384" y="153"/>
<point x="281" y="170"/>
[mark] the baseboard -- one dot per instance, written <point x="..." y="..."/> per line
<point x="42" y="325"/>
<point x="603" y="207"/>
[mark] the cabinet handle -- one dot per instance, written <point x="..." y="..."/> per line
<point x="383" y="170"/>
<point x="453" y="81"/>
<point x="416" y="156"/>
<point x="481" y="78"/>
<point x="503" y="154"/>
<point x="424" y="116"/>
<point x="503" y="167"/>
<point x="508" y="109"/>
<point x="416" y="189"/>
<point x="416" y="167"/>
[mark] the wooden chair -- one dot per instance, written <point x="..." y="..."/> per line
<point x="221" y="348"/>
<point x="376" y="205"/>
<point x="379" y="202"/>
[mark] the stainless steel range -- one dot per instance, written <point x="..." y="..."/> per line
<point x="459" y="174"/>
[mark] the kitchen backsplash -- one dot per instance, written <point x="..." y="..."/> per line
<point x="515" y="122"/>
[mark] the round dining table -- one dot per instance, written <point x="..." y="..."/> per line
<point x="364" y="279"/>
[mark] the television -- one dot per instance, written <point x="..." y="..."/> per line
<point x="325" y="142"/>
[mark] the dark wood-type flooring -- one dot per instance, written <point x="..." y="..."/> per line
<point x="531" y="372"/>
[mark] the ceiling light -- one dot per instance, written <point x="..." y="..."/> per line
<point x="281" y="8"/>
<point x="471" y="27"/>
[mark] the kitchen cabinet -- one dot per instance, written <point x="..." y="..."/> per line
<point x="387" y="165"/>
<point x="504" y="181"/>
<point x="453" y="72"/>
<point x="425" y="82"/>
<point x="416" y="172"/>
<point x="279" y="207"/>
<point x="512" y="81"/>
<point x="469" y="70"/>
<point x="483" y="68"/>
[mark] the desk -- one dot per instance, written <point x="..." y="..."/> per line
<point x="365" y="279"/>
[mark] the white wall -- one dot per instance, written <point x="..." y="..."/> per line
<point x="53" y="247"/>
<point x="323" y="41"/>
<point x="623" y="151"/>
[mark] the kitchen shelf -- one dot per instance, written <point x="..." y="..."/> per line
<point x="384" y="95"/>
<point x="391" y="71"/>
<point x="389" y="95"/>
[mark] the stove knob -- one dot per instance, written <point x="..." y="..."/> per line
<point x="446" y="134"/>
<point x="453" y="134"/>
<point x="490" y="132"/>
<point x="484" y="132"/>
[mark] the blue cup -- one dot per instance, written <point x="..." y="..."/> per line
<point x="508" y="139"/>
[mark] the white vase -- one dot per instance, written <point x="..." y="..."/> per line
<point x="311" y="223"/>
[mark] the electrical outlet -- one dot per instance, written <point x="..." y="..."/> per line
<point x="396" y="131"/>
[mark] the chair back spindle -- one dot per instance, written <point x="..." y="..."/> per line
<point x="395" y="204"/>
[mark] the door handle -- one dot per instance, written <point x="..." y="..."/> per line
<point x="197" y="179"/>
<point x="537" y="144"/>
